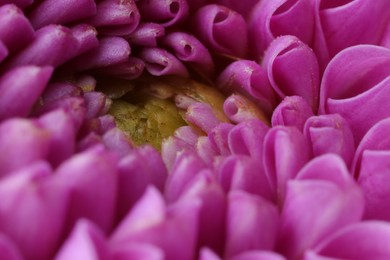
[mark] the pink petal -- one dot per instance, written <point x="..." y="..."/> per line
<point x="147" y="34"/>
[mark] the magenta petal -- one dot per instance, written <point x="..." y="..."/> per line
<point x="86" y="37"/>
<point x="189" y="49"/>
<point x="33" y="206"/>
<point x="248" y="78"/>
<point x="212" y="212"/>
<point x="242" y="7"/>
<point x="111" y="51"/>
<point x="247" y="138"/>
<point x="219" y="138"/>
<point x="19" y="3"/>
<point x="63" y="136"/>
<point x="252" y="224"/>
<point x="292" y="69"/>
<point x="330" y="134"/>
<point x="202" y="115"/>
<point x="186" y="167"/>
<point x="129" y="69"/>
<point x="208" y="254"/>
<point x="357" y="22"/>
<point x="97" y="104"/>
<point x="90" y="176"/>
<point x="373" y="178"/>
<point x="8" y="249"/>
<point x="147" y="34"/>
<point x="54" y="12"/>
<point x="159" y="62"/>
<point x="366" y="240"/>
<point x="292" y="111"/>
<point x="117" y="141"/>
<point x="281" y="160"/>
<point x="167" y="13"/>
<point x="85" y="242"/>
<point x="20" y="89"/>
<point x="206" y="150"/>
<point x="213" y="24"/>
<point x="60" y="90"/>
<point x="3" y="51"/>
<point x="243" y="173"/>
<point x="240" y="109"/>
<point x="22" y="142"/>
<point x="135" y="175"/>
<point x="137" y="251"/>
<point x="115" y="17"/>
<point x="358" y="91"/>
<point x="53" y="45"/>
<point x="331" y="207"/>
<point x="258" y="255"/>
<point x="15" y="29"/>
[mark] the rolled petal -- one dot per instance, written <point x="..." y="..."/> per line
<point x="8" y="249"/>
<point x="147" y="34"/>
<point x="373" y="178"/>
<point x="242" y="7"/>
<point x="330" y="134"/>
<point x="11" y="17"/>
<point x="357" y="91"/>
<point x="59" y="90"/>
<point x="219" y="138"/>
<point x="189" y="49"/>
<point x="117" y="141"/>
<point x="281" y="160"/>
<point x="90" y="176"/>
<point x="243" y="173"/>
<point x="292" y="69"/>
<point x="240" y="109"/>
<point x="3" y="51"/>
<point x="20" y="89"/>
<point x="258" y="255"/>
<point x="208" y="254"/>
<point x="115" y="17"/>
<point x="19" y="3"/>
<point x="206" y="150"/>
<point x="129" y="69"/>
<point x="247" y="138"/>
<point x="22" y="142"/>
<point x="186" y="167"/>
<point x="53" y="45"/>
<point x="86" y="37"/>
<point x="205" y="187"/>
<point x="252" y="224"/>
<point x="86" y="242"/>
<point x="53" y="12"/>
<point x="97" y="104"/>
<point x="248" y="78"/>
<point x="365" y="240"/>
<point x="159" y="62"/>
<point x="354" y="22"/>
<point x="63" y="136"/>
<point x="33" y="206"/>
<point x="138" y="251"/>
<point x="135" y="175"/>
<point x="331" y="208"/>
<point x="213" y="24"/>
<point x="292" y="111"/>
<point x="201" y="115"/>
<point x="167" y="13"/>
<point x="270" y="19"/>
<point x="173" y="229"/>
<point x="111" y="51"/>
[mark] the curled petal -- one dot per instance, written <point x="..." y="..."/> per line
<point x="292" y="69"/>
<point x="353" y="23"/>
<point x="248" y="78"/>
<point x="292" y="111"/>
<point x="116" y="17"/>
<point x="281" y="160"/>
<point x="129" y="69"/>
<point x="365" y="240"/>
<point x="59" y="90"/>
<point x="167" y="13"/>
<point x="330" y="134"/>
<point x="90" y="176"/>
<point x="258" y="255"/>
<point x="33" y="206"/>
<point x="206" y="150"/>
<point x="252" y="224"/>
<point x="19" y="3"/>
<point x="135" y="176"/>
<point x="138" y="251"/>
<point x="53" y="12"/>
<point x="97" y="104"/>
<point x="242" y="7"/>
<point x="116" y="140"/>
<point x="3" y="51"/>
<point x="86" y="37"/>
<point x="243" y="173"/>
<point x="159" y="62"/>
<point x="111" y="51"/>
<point x="270" y="19"/>
<point x="218" y="137"/>
<point x="331" y="208"/>
<point x="373" y="178"/>
<point x="85" y="242"/>
<point x="15" y="29"/>
<point x="20" y="89"/>
<point x="147" y="34"/>
<point x="53" y="45"/>
<point x="22" y="142"/>
<point x="186" y="167"/>
<point x="189" y="49"/>
<point x="202" y="116"/>
<point x="247" y="138"/>
<point x="214" y="23"/>
<point x="358" y="91"/>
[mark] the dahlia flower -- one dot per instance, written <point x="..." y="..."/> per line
<point x="192" y="129"/>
